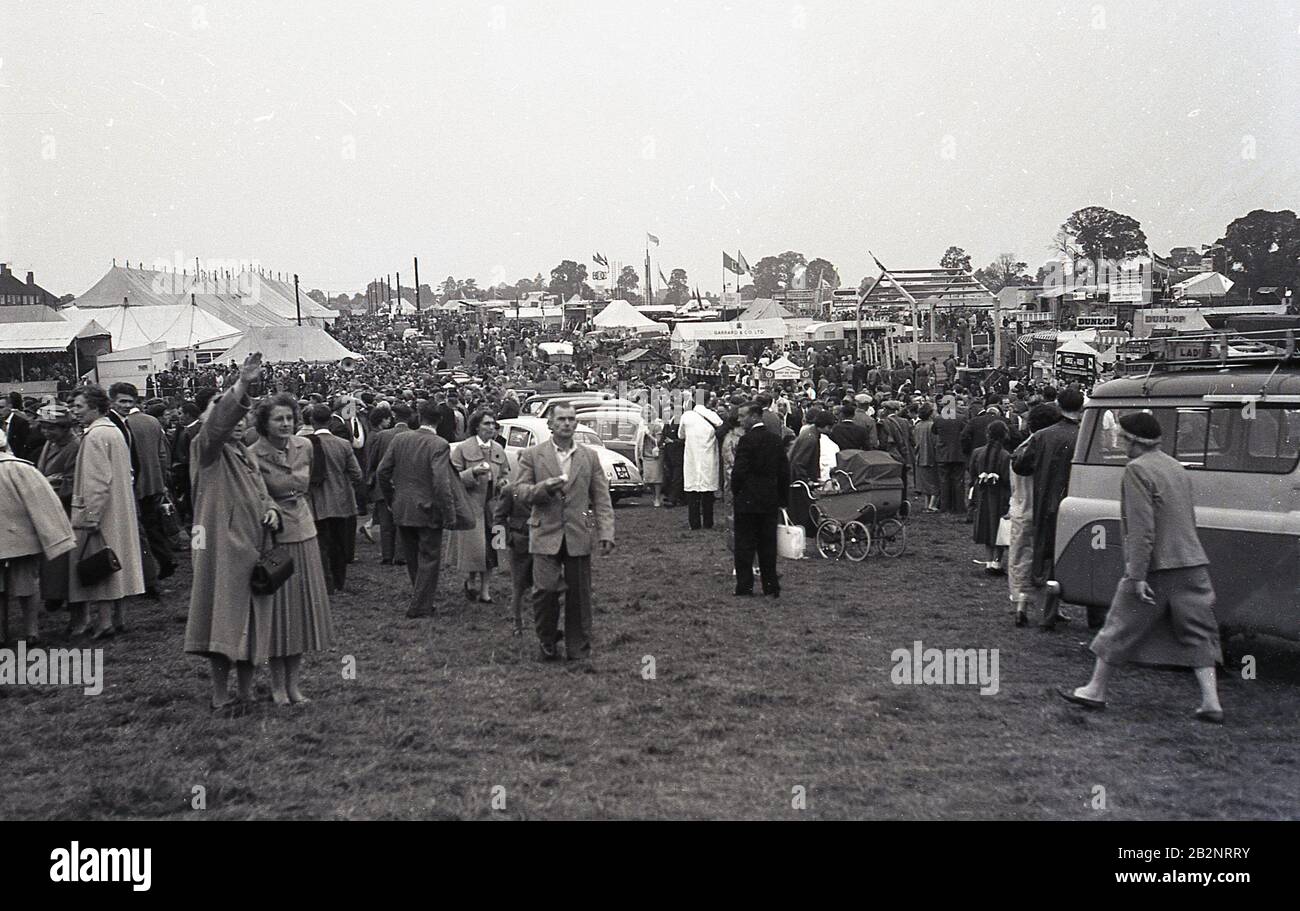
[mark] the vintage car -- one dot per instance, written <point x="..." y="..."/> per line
<point x="522" y="432"/>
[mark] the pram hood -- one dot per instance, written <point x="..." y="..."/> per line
<point x="870" y="469"/>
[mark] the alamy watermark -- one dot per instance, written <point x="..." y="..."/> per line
<point x="83" y="667"/>
<point x="921" y="666"/>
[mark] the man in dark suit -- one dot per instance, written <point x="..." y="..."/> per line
<point x="571" y="510"/>
<point x="378" y="446"/>
<point x="16" y="427"/>
<point x="414" y="477"/>
<point x="760" y="483"/>
<point x="848" y="433"/>
<point x="334" y="472"/>
<point x="150" y="458"/>
<point x="946" y="432"/>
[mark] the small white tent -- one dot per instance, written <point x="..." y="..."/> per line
<point x="280" y="344"/>
<point x="619" y="314"/>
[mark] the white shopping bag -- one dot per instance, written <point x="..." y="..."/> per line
<point x="791" y="539"/>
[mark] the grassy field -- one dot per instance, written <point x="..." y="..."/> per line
<point x="751" y="700"/>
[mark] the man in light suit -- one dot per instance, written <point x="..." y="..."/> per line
<point x="334" y="473"/>
<point x="571" y="510"/>
<point x="414" y="478"/>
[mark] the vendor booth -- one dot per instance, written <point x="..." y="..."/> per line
<point x="687" y="337"/>
<point x="784" y="370"/>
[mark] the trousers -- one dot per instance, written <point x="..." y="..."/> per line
<point x="756" y="533"/>
<point x="332" y="537"/>
<point x="423" y="549"/>
<point x="554" y="574"/>
<point x="699" y="506"/>
<point x="387" y="530"/>
<point x="952" y="498"/>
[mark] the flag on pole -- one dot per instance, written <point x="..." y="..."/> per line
<point x="600" y="260"/>
<point x="663" y="278"/>
<point x="730" y="264"/>
<point x="799" y="278"/>
<point x="744" y="266"/>
<point x="823" y="284"/>
<point x="651" y="239"/>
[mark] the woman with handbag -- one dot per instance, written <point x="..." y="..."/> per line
<point x="480" y="463"/>
<point x="300" y="610"/>
<point x="107" y="563"/>
<point x="228" y="623"/>
<point x="991" y="467"/>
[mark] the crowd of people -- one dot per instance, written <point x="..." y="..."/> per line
<point x="267" y="473"/>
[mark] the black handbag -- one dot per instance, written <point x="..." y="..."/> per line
<point x="272" y="569"/>
<point x="95" y="568"/>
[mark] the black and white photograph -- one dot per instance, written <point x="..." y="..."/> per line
<point x="487" y="410"/>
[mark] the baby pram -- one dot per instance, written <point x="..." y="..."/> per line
<point x="861" y="510"/>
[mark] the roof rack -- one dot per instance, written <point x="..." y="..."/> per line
<point x="1213" y="350"/>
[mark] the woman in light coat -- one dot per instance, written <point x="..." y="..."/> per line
<point x="103" y="515"/>
<point x="34" y="529"/>
<point x="232" y="511"/>
<point x="480" y="461"/>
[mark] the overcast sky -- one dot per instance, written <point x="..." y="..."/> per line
<point x="339" y="139"/>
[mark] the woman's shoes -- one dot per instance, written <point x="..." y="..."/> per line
<point x="483" y="600"/>
<point x="1022" y="618"/>
<point x="1210" y="716"/>
<point x="101" y="634"/>
<point x="471" y="593"/>
<point x="1092" y="705"/>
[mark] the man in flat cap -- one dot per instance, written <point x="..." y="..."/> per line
<point x="1163" y="609"/>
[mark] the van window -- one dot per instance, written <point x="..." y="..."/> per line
<point x="1107" y="447"/>
<point x="1207" y="438"/>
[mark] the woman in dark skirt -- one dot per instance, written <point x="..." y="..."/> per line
<point x="991" y="466"/>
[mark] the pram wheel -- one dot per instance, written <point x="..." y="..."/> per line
<point x="891" y="536"/>
<point x="830" y="539"/>
<point x="857" y="541"/>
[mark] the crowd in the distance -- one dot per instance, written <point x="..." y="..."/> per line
<point x="254" y="467"/>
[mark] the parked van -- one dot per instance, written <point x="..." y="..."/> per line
<point x="1236" y="428"/>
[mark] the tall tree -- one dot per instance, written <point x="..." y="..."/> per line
<point x="567" y="279"/>
<point x="679" y="289"/>
<point x="1003" y="271"/>
<point x="776" y="273"/>
<point x="1264" y="249"/>
<point x="955" y="258"/>
<point x="1100" y="233"/>
<point x="821" y="270"/>
<point x="627" y="283"/>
